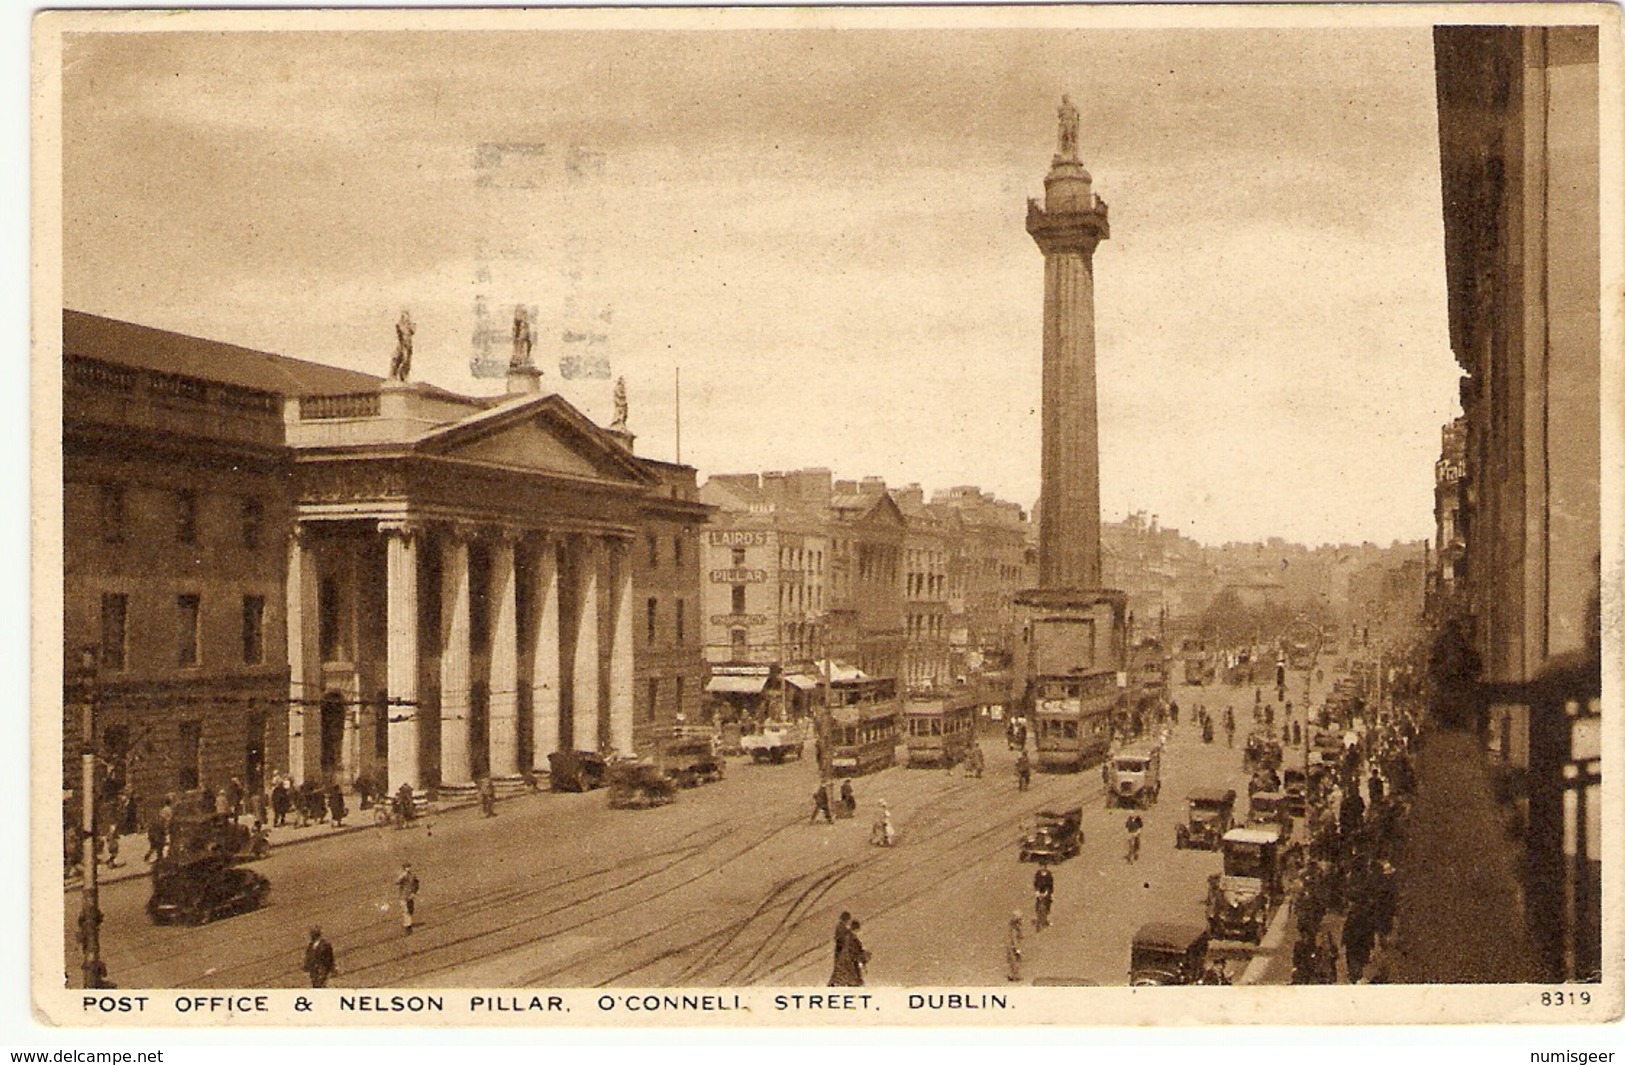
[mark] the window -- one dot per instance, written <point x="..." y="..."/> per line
<point x="253" y="629"/>
<point x="677" y="696"/>
<point x="739" y="599"/>
<point x="738" y="644"/>
<point x="115" y="611"/>
<point x="189" y="756"/>
<point x="678" y="621"/>
<point x="186" y="516"/>
<point x="186" y="629"/>
<point x="739" y="557"/>
<point x="653" y="706"/>
<point x="111" y="513"/>
<point x="677" y="550"/>
<point x="253" y="523"/>
<point x="654" y="552"/>
<point x="327" y="609"/>
<point x="653" y="614"/>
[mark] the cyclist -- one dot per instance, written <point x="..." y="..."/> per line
<point x="1043" y="896"/>
<point x="1133" y="826"/>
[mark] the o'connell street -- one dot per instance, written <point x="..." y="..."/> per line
<point x="540" y="515"/>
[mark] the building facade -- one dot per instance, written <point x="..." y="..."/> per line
<point x="308" y="570"/>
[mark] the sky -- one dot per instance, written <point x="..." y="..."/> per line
<point x="822" y="231"/>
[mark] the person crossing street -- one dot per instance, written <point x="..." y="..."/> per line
<point x="1043" y="896"/>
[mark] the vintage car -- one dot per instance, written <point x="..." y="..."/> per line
<point x="639" y="784"/>
<point x="1265" y="808"/>
<point x="1133" y="777"/>
<point x="1241" y="899"/>
<point x="1261" y="752"/>
<point x="1295" y="785"/>
<point x="774" y="742"/>
<point x="1208" y="818"/>
<point x="576" y="770"/>
<point x="1166" y="954"/>
<point x="199" y="836"/>
<point x="203" y="890"/>
<point x="1057" y="836"/>
<point x="691" y="756"/>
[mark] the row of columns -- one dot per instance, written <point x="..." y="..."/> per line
<point x="546" y="644"/>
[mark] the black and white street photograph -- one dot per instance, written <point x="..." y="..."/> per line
<point x="846" y="516"/>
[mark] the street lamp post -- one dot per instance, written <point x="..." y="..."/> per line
<point x="90" y="909"/>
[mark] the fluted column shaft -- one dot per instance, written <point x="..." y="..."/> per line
<point x="545" y="654"/>
<point x="401" y="651"/>
<point x="503" y="704"/>
<point x="1069" y="528"/>
<point x="456" y="717"/>
<point x="584" y="687"/>
<point x="620" y="652"/>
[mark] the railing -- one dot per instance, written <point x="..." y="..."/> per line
<point x="352" y="405"/>
<point x="1562" y="877"/>
<point x="106" y="376"/>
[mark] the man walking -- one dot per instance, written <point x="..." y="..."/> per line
<point x="319" y="959"/>
<point x="407" y="884"/>
<point x="1012" y="947"/>
<point x="1043" y="896"/>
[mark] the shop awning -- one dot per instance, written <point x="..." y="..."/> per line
<point x="749" y="685"/>
<point x="806" y="684"/>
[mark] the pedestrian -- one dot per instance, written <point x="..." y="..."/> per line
<point x="206" y="799"/>
<point x="1024" y="771"/>
<point x="155" y="839"/>
<point x="335" y="803"/>
<point x="821" y="805"/>
<point x="1374" y="787"/>
<point x="407" y="884"/>
<point x="234" y="799"/>
<point x="488" y="797"/>
<point x="843" y="928"/>
<point x="853" y="959"/>
<point x="112" y="837"/>
<point x="319" y="959"/>
<point x="1043" y="896"/>
<point x="280" y="803"/>
<point x="1358" y="936"/>
<point x="849" y="800"/>
<point x="1012" y="947"/>
<point x="405" y="804"/>
<point x="1173" y="711"/>
<point x="882" y="834"/>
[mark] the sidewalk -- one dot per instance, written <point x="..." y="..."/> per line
<point x="1460" y="915"/>
<point x="133" y="847"/>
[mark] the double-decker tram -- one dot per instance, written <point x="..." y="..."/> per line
<point x="939" y="729"/>
<point x="1072" y="719"/>
<point x="864" y="715"/>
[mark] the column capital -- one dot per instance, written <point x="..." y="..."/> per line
<point x="508" y="535"/>
<point x="461" y="532"/>
<point x="404" y="528"/>
<point x="298" y="534"/>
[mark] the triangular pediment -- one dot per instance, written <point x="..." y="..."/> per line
<point x="544" y="435"/>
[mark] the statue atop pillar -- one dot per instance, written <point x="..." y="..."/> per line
<point x="400" y="367"/>
<point x="1068" y="152"/>
<point x="619" y="424"/>
<point x="523" y="338"/>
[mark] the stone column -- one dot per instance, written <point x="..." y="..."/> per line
<point x="620" y="649"/>
<point x="301" y="624"/>
<point x="502" y="711"/>
<point x="401" y="541"/>
<point x="545" y="653"/>
<point x="456" y="717"/>
<point x="584" y="690"/>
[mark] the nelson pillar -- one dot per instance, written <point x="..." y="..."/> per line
<point x="1074" y="629"/>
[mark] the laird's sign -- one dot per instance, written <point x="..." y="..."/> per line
<point x="739" y="576"/>
<point x="737" y="538"/>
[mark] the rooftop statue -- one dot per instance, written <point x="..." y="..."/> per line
<point x="1069" y="131"/>
<point x="400" y="367"/>
<point x="620" y="405"/>
<point x="523" y="339"/>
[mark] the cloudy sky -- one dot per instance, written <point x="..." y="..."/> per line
<point x="824" y="230"/>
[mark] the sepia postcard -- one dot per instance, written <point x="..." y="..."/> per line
<point x="827" y="517"/>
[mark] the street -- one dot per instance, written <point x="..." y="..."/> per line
<point x="728" y="886"/>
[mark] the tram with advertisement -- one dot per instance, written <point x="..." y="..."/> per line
<point x="1076" y="674"/>
<point x="863" y="721"/>
<point x="939" y="730"/>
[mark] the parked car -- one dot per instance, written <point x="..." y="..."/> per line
<point x="1057" y="836"/>
<point x="203" y="890"/>
<point x="1165" y="954"/>
<point x="577" y="770"/>
<point x="1134" y="777"/>
<point x="1266" y="808"/>
<point x="638" y="784"/>
<point x="1209" y="815"/>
